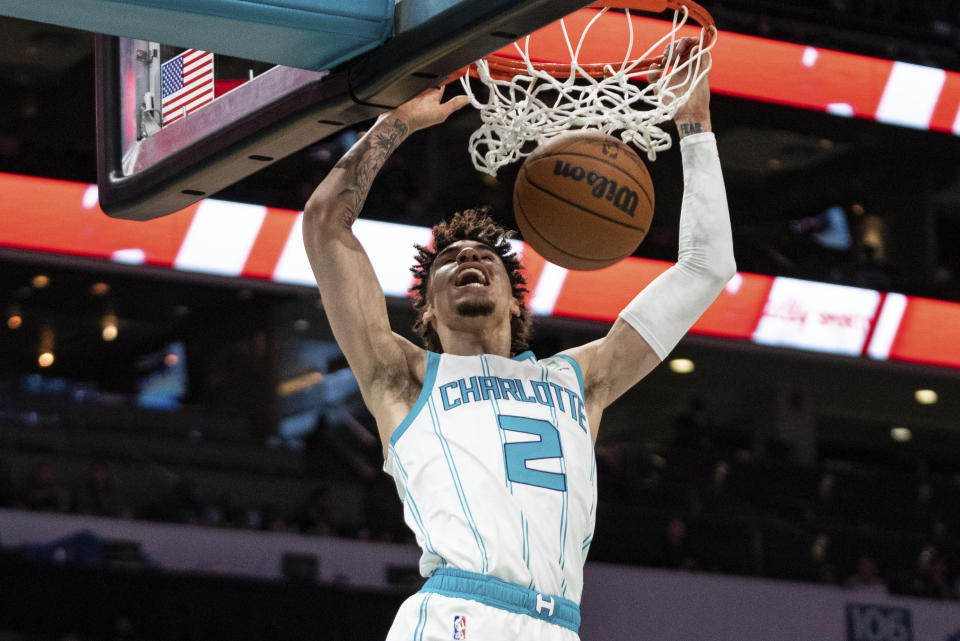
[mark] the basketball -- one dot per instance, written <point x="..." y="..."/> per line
<point x="584" y="200"/>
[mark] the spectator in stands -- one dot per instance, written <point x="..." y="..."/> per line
<point x="181" y="504"/>
<point x="383" y="514"/>
<point x="818" y="565"/>
<point x="227" y="511"/>
<point x="939" y="583"/>
<point x="693" y="429"/>
<point x="314" y="518"/>
<point x="826" y="495"/>
<point x="870" y="272"/>
<point x="867" y="577"/>
<point x="99" y="495"/>
<point x="627" y="469"/>
<point x="931" y="578"/>
<point x="713" y="495"/>
<point x="272" y="519"/>
<point x="7" y="495"/>
<point x="43" y="491"/>
<point x="123" y="629"/>
<point x="675" y="551"/>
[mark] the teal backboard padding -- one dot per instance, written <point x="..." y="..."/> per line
<point x="307" y="34"/>
<point x="413" y="13"/>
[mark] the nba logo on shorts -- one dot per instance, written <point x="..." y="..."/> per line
<point x="459" y="628"/>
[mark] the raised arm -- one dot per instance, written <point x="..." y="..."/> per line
<point x="655" y="321"/>
<point x="352" y="297"/>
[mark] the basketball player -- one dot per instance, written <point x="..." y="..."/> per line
<point x="492" y="449"/>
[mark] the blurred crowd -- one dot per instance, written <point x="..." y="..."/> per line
<point x="123" y="630"/>
<point x="689" y="505"/>
<point x="701" y="505"/>
<point x="186" y="501"/>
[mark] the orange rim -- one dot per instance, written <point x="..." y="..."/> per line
<point x="504" y="68"/>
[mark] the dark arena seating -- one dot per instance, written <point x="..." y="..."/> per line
<point x="185" y="454"/>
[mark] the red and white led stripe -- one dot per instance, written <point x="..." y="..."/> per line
<point x="886" y="327"/>
<point x="840" y="83"/>
<point x="231" y="239"/>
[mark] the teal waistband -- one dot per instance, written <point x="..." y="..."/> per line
<point x="461" y="584"/>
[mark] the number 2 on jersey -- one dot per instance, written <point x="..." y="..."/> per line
<point x="516" y="455"/>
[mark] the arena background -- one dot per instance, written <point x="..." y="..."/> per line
<point x="196" y="462"/>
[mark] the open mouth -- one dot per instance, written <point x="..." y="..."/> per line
<point x="471" y="277"/>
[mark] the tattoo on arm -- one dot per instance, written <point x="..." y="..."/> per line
<point x="362" y="163"/>
<point x="690" y="128"/>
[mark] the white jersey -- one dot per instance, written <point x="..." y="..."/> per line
<point x="496" y="470"/>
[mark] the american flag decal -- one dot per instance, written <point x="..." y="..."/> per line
<point x="187" y="83"/>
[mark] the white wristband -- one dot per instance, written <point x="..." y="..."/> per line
<point x="670" y="305"/>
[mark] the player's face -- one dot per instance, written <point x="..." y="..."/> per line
<point x="468" y="280"/>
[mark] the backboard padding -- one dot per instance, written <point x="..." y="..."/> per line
<point x="307" y="34"/>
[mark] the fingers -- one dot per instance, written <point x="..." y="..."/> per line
<point x="429" y="108"/>
<point x="432" y="92"/>
<point x="680" y="49"/>
<point x="654" y="73"/>
<point x="454" y="104"/>
<point x="685" y="48"/>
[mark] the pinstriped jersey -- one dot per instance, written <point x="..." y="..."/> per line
<point x="496" y="470"/>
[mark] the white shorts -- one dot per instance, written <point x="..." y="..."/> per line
<point x="455" y="605"/>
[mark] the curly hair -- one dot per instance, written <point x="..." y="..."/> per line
<point x="471" y="224"/>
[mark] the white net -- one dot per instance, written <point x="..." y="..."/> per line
<point x="534" y="106"/>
